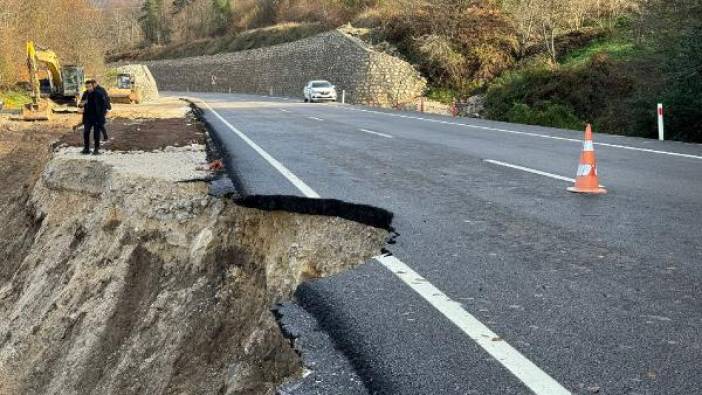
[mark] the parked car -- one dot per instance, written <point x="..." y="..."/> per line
<point x="319" y="90"/>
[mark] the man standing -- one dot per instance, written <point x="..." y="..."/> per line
<point x="108" y="107"/>
<point x="94" y="109"/>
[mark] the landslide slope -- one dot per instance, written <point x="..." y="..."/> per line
<point x="131" y="284"/>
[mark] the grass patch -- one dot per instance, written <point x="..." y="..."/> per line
<point x="442" y="95"/>
<point x="617" y="48"/>
<point x="14" y="99"/>
<point x="546" y="114"/>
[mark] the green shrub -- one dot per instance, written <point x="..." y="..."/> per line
<point x="566" y="97"/>
<point x="547" y="114"/>
<point x="442" y="95"/>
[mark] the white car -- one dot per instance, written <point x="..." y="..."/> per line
<point x="319" y="90"/>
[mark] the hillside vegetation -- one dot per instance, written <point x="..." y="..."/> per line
<point x="72" y="28"/>
<point x="230" y="42"/>
<point x="546" y="62"/>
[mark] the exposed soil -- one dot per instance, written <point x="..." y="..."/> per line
<point x="145" y="134"/>
<point x="24" y="150"/>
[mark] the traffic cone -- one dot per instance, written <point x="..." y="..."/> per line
<point x="586" y="180"/>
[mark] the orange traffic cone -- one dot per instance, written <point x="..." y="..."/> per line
<point x="586" y="180"/>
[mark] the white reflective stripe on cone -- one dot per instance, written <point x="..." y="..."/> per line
<point x="584" y="170"/>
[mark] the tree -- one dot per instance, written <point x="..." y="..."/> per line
<point x="153" y="22"/>
<point x="222" y="10"/>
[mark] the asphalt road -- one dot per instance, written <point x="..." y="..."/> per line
<point x="598" y="293"/>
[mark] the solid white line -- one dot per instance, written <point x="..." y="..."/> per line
<point x="298" y="183"/>
<point x="531" y="375"/>
<point x="376" y="133"/>
<point x="316" y="119"/>
<point x="530" y="170"/>
<point x="540" y="135"/>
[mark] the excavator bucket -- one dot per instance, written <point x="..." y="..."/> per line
<point x="36" y="112"/>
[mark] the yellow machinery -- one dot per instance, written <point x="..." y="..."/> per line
<point x="65" y="84"/>
<point x="124" y="90"/>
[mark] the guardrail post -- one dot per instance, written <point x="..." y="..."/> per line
<point x="661" y="134"/>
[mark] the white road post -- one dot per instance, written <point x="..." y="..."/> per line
<point x="661" y="135"/>
<point x="343" y="96"/>
<point x="270" y="91"/>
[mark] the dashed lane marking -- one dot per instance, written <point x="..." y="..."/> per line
<point x="531" y="134"/>
<point x="530" y="170"/>
<point x="387" y="136"/>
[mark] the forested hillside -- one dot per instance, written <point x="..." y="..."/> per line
<point x="548" y="62"/>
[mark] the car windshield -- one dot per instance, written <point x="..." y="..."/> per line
<point x="322" y="84"/>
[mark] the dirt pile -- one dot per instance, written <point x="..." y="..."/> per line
<point x="126" y="283"/>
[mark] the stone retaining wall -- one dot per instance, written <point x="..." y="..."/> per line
<point x="367" y="76"/>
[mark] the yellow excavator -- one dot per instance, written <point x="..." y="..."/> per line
<point x="63" y="85"/>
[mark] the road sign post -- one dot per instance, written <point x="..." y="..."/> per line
<point x="661" y="135"/>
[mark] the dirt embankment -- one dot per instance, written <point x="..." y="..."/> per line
<point x="118" y="278"/>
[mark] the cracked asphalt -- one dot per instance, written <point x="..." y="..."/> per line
<point x="600" y="292"/>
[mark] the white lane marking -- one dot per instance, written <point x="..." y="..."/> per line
<point x="316" y="119"/>
<point x="298" y="183"/>
<point x="530" y="170"/>
<point x="545" y="136"/>
<point x="387" y="136"/>
<point x="531" y="375"/>
<point x="284" y="110"/>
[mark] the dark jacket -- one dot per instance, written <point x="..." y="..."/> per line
<point x="95" y="107"/>
<point x="107" y="96"/>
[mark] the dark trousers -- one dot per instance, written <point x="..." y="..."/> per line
<point x="96" y="128"/>
<point x="103" y="130"/>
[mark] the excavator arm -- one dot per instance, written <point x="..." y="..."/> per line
<point x="51" y="60"/>
<point x="38" y="109"/>
<point x="66" y="82"/>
